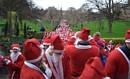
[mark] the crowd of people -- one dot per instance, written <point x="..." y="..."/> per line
<point x="80" y="56"/>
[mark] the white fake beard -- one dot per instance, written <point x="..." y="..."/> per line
<point x="57" y="57"/>
<point x="14" y="56"/>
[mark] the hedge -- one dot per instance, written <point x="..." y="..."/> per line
<point x="115" y="40"/>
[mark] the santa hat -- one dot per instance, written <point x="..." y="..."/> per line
<point x="32" y="50"/>
<point x="127" y="36"/>
<point x="84" y="33"/>
<point x="71" y="40"/>
<point x="57" y="44"/>
<point x="15" y="46"/>
<point x="46" y="41"/>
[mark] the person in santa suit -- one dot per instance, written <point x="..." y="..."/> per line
<point x="14" y="62"/>
<point x="70" y="40"/>
<point x="101" y="43"/>
<point x="97" y="37"/>
<point x="94" y="69"/>
<point x="89" y="37"/>
<point x="56" y="59"/>
<point x="118" y="62"/>
<point x="46" y="42"/>
<point x="34" y="67"/>
<point x="79" y="53"/>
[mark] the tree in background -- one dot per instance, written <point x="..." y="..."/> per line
<point x="25" y="30"/>
<point x="107" y="8"/>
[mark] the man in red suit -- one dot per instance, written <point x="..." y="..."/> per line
<point x="79" y="53"/>
<point x="55" y="58"/>
<point x="34" y="67"/>
<point x="14" y="62"/>
<point x="118" y="62"/>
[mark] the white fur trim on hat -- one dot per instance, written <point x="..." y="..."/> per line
<point x="36" y="60"/>
<point x="46" y="43"/>
<point x="128" y="40"/>
<point x="106" y="78"/>
<point x="16" y="48"/>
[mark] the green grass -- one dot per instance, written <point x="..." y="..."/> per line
<point x="36" y="25"/>
<point x="119" y="27"/>
<point x="118" y="30"/>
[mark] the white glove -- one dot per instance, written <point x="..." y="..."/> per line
<point x="48" y="71"/>
<point x="7" y="61"/>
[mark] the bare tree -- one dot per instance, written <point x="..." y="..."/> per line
<point x="106" y="7"/>
<point x="70" y="15"/>
<point x="52" y="14"/>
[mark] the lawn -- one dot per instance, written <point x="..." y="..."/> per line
<point x="118" y="30"/>
<point x="119" y="27"/>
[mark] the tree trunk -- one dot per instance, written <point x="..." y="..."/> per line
<point x="110" y="16"/>
<point x="110" y="25"/>
<point x="25" y="30"/>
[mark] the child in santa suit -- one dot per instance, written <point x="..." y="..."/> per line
<point x="14" y="62"/>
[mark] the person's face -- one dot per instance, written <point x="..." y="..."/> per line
<point x="15" y="50"/>
<point x="128" y="44"/>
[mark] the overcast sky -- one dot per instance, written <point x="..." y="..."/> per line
<point x="65" y="4"/>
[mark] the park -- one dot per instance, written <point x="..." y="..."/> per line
<point x="24" y="19"/>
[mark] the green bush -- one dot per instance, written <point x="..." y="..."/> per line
<point x="116" y="40"/>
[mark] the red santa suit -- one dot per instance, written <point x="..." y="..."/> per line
<point x="94" y="69"/>
<point x="46" y="42"/>
<point x="117" y="66"/>
<point x="14" y="62"/>
<point x="56" y="59"/>
<point x="33" y="54"/>
<point x="79" y="54"/>
<point x="70" y="41"/>
<point x="118" y="62"/>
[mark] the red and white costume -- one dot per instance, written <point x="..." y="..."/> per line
<point x="79" y="54"/>
<point x="118" y="63"/>
<point x="93" y="69"/>
<point x="14" y="62"/>
<point x="33" y="54"/>
<point x="56" y="59"/>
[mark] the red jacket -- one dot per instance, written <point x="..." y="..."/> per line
<point x="30" y="73"/>
<point x="117" y="65"/>
<point x="79" y="56"/>
<point x="94" y="69"/>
